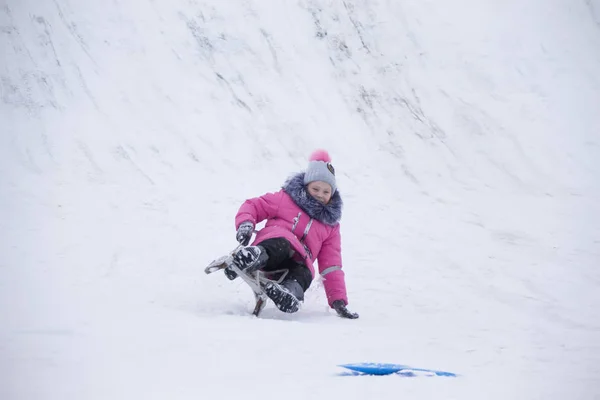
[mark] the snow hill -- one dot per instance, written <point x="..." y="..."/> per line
<point x="465" y="136"/>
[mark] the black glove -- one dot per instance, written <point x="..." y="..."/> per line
<point x="244" y="232"/>
<point x="340" y="307"/>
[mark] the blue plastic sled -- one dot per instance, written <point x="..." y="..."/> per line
<point x="388" y="369"/>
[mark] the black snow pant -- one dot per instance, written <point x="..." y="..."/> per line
<point x="279" y="251"/>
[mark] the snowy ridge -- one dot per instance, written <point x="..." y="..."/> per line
<point x="465" y="140"/>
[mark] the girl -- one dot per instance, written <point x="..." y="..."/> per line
<point x="302" y="226"/>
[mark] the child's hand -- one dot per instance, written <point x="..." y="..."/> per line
<point x="244" y="232"/>
<point x="342" y="311"/>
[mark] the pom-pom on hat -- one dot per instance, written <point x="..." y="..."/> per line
<point x="320" y="169"/>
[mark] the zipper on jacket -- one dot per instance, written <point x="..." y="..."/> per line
<point x="306" y="230"/>
<point x="308" y="252"/>
<point x="296" y="219"/>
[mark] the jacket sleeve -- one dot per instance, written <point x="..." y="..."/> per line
<point x="330" y="267"/>
<point x="258" y="209"/>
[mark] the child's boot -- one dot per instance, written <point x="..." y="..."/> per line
<point x="286" y="295"/>
<point x="248" y="259"/>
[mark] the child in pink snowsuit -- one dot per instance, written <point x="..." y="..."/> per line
<point x="302" y="226"/>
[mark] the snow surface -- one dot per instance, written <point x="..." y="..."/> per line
<point x="465" y="136"/>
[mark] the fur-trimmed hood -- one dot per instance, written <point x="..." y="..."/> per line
<point x="330" y="213"/>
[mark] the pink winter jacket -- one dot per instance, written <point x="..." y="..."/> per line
<point x="286" y="219"/>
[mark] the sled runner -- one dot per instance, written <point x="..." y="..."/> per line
<point x="256" y="280"/>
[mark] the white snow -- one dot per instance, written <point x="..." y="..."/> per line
<point x="465" y="136"/>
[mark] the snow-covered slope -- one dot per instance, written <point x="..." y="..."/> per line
<point x="465" y="137"/>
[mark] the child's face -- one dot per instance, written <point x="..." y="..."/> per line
<point x="320" y="191"/>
